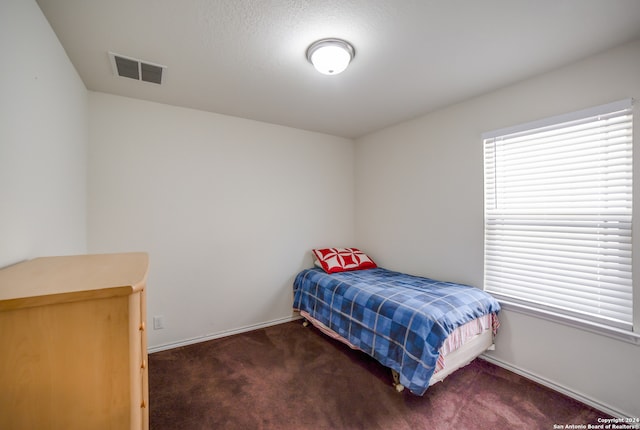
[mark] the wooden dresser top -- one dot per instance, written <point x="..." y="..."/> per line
<point x="49" y="280"/>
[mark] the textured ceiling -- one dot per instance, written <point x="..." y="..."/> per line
<point x="247" y="57"/>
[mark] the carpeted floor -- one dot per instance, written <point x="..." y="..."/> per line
<point x="291" y="377"/>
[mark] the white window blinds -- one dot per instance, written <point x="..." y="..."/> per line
<point x="558" y="202"/>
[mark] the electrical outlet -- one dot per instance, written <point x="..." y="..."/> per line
<point x="158" y="322"/>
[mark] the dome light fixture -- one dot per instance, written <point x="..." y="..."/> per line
<point x="330" y="56"/>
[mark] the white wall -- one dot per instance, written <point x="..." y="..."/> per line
<point x="419" y="206"/>
<point x="43" y="138"/>
<point x="228" y="209"/>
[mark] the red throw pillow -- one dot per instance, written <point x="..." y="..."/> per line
<point x="342" y="259"/>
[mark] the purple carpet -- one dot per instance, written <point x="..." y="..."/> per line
<point x="291" y="377"/>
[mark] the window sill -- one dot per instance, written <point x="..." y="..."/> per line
<point x="618" y="334"/>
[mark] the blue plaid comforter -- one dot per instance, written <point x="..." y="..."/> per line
<point x="400" y="320"/>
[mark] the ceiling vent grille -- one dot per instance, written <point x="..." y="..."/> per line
<point x="139" y="70"/>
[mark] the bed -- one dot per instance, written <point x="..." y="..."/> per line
<point x="422" y="329"/>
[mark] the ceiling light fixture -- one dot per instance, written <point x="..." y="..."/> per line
<point x="330" y="56"/>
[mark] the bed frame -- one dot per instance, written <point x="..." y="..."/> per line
<point x="471" y="348"/>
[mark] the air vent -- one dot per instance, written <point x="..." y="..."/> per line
<point x="139" y="70"/>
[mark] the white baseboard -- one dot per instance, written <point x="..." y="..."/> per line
<point x="218" y="335"/>
<point x="556" y="387"/>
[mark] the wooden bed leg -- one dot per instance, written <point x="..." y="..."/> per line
<point x="396" y="381"/>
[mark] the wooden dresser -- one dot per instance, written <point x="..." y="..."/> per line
<point x="73" y="345"/>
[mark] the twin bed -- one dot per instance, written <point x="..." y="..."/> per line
<point x="422" y="329"/>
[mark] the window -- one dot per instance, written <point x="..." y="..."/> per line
<point x="558" y="207"/>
